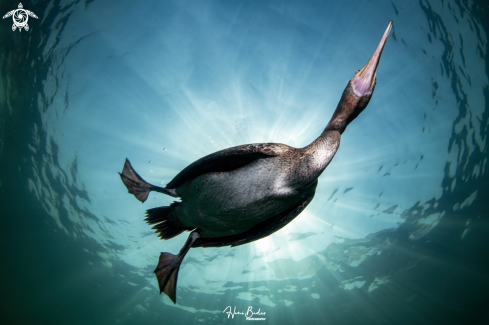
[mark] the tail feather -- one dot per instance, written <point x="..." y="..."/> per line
<point x="157" y="215"/>
<point x="163" y="224"/>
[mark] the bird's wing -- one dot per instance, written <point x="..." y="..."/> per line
<point x="263" y="229"/>
<point x="8" y="14"/>
<point x="30" y="13"/>
<point x="227" y="160"/>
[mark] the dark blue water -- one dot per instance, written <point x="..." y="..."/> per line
<point x="398" y="232"/>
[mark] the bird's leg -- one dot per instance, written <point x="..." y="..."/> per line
<point x="168" y="266"/>
<point x="138" y="186"/>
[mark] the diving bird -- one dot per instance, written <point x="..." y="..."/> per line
<point x="241" y="194"/>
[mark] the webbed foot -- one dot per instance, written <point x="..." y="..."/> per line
<point x="138" y="186"/>
<point x="168" y="266"/>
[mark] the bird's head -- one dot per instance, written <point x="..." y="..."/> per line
<point x="363" y="83"/>
<point x="359" y="90"/>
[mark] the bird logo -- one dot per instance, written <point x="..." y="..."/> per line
<point x="20" y="17"/>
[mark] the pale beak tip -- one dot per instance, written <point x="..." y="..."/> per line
<point x="364" y="80"/>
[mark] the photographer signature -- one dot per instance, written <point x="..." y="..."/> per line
<point x="249" y="313"/>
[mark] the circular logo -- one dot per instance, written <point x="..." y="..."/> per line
<point x="20" y="18"/>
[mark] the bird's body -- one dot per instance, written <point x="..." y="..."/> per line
<point x="235" y="201"/>
<point x="241" y="194"/>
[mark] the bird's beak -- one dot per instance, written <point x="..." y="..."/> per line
<point x="364" y="80"/>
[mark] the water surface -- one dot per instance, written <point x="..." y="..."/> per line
<point x="397" y="232"/>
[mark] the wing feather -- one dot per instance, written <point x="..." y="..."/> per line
<point x="227" y="160"/>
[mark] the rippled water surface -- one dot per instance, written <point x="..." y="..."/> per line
<point x="398" y="232"/>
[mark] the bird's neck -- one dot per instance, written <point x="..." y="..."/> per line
<point x="349" y="107"/>
<point x="317" y="156"/>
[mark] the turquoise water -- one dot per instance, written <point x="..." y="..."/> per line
<point x="396" y="234"/>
